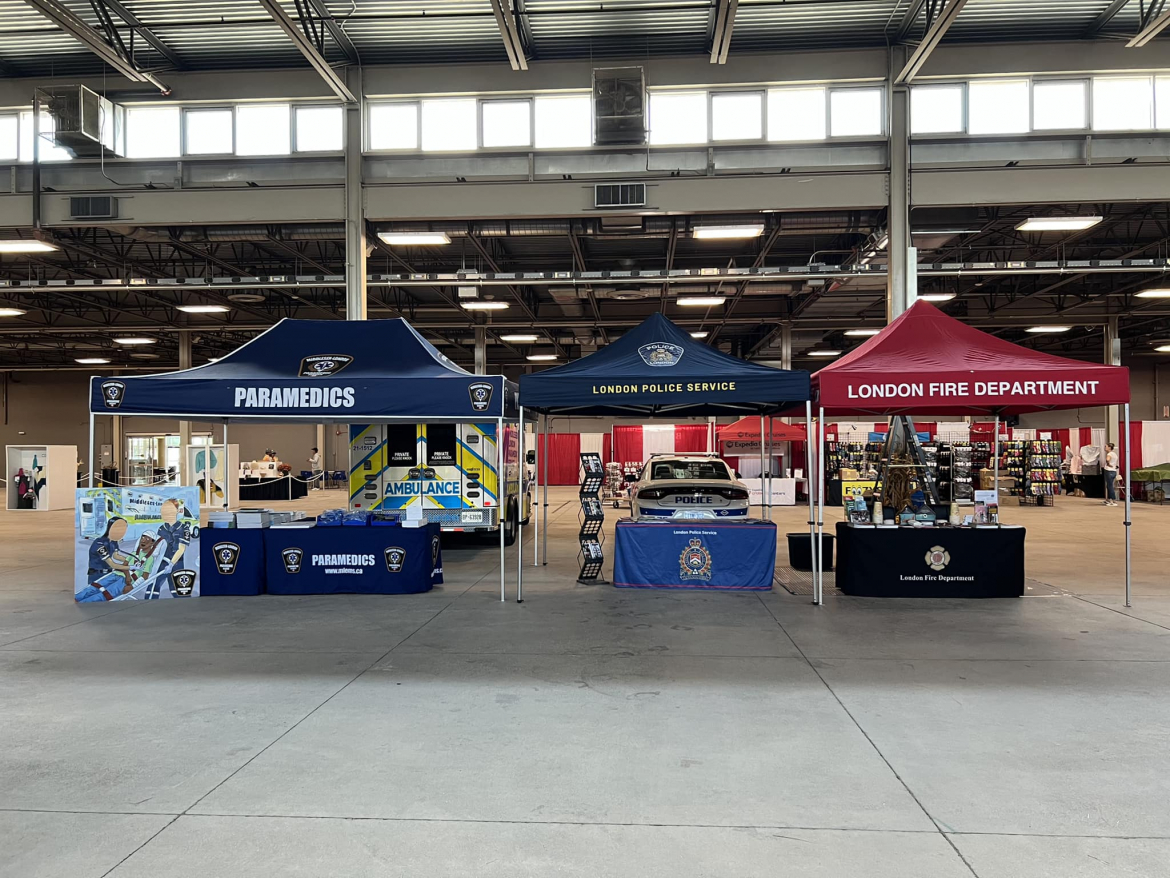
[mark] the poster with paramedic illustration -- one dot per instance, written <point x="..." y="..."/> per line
<point x="136" y="544"/>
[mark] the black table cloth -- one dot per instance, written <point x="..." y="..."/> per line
<point x="929" y="562"/>
<point x="259" y="490"/>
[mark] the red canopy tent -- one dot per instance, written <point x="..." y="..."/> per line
<point x="748" y="430"/>
<point x="926" y="362"/>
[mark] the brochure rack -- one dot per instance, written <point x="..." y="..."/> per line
<point x="591" y="517"/>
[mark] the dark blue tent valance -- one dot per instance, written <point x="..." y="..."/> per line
<point x="317" y="370"/>
<point x="658" y="369"/>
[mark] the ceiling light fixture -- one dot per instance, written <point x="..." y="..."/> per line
<point x="860" y="332"/>
<point x="1058" y="223"/>
<point x="144" y="356"/>
<point x="427" y="239"/>
<point x="92" y="361"/>
<point x="204" y="309"/>
<point x="135" y="340"/>
<point x="520" y="336"/>
<point x="12" y="312"/>
<point x="1163" y="348"/>
<point x="824" y="353"/>
<point x="484" y="305"/>
<point x="723" y="233"/>
<point x="1162" y="293"/>
<point x="936" y="297"/>
<point x="700" y="301"/>
<point x="26" y="246"/>
<point x="700" y="334"/>
<point x="542" y="358"/>
<point x="1039" y="329"/>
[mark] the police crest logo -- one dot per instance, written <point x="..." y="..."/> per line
<point x="292" y="560"/>
<point x="227" y="556"/>
<point x="113" y="392"/>
<point x="481" y="395"/>
<point x="183" y="582"/>
<point x="323" y="365"/>
<point x="695" y="561"/>
<point x="937" y="558"/>
<point x="660" y="353"/>
<point x="395" y="558"/>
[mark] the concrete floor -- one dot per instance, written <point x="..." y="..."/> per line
<point x="590" y="731"/>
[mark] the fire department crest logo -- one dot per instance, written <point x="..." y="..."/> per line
<point x="113" y="392"/>
<point x="481" y="395"/>
<point x="660" y="353"/>
<point x="292" y="560"/>
<point x="183" y="582"/>
<point x="937" y="558"/>
<point x="695" y="561"/>
<point x="227" y="555"/>
<point x="395" y="558"/>
<point x="323" y="365"/>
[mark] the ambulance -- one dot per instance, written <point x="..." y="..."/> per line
<point x="450" y="471"/>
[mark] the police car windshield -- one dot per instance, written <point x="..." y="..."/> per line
<point x="688" y="469"/>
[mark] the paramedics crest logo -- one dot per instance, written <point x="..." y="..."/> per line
<point x="227" y="556"/>
<point x="323" y="365"/>
<point x="660" y="353"/>
<point x="395" y="558"/>
<point x="937" y="558"/>
<point x="481" y="395"/>
<point x="183" y="582"/>
<point x="113" y="392"/>
<point x="695" y="561"/>
<point x="292" y="560"/>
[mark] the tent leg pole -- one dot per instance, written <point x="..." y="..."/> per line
<point x="808" y="471"/>
<point x="90" y="453"/>
<point x="995" y="457"/>
<point x="227" y="480"/>
<point x="771" y="461"/>
<point x="820" y="583"/>
<point x="1128" y="510"/>
<point x="544" y="511"/>
<point x="762" y="505"/>
<point x="520" y="513"/>
<point x="501" y="492"/>
<point x="534" y="511"/>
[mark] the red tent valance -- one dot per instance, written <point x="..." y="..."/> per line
<point x="928" y="363"/>
<point x="748" y="430"/>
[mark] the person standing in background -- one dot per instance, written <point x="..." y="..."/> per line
<point x="315" y="466"/>
<point x="1110" y="473"/>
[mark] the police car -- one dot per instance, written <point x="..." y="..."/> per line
<point x="687" y="486"/>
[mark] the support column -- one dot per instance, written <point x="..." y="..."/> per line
<point x="786" y="345"/>
<point x="1112" y="358"/>
<point x="355" y="203"/>
<point x="480" y="350"/>
<point x="185" y="476"/>
<point x="901" y="282"/>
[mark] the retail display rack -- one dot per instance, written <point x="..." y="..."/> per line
<point x="1041" y="472"/>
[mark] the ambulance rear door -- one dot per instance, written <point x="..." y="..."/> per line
<point x="403" y="462"/>
<point x="367" y="461"/>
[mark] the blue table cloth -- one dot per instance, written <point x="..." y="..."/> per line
<point x="231" y="561"/>
<point x="696" y="554"/>
<point x="353" y="560"/>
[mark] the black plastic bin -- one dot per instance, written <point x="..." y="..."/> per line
<point x="800" y="551"/>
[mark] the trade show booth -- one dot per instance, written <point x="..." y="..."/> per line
<point x="658" y="370"/>
<point x="927" y="363"/>
<point x="388" y="374"/>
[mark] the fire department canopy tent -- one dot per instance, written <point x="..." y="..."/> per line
<point x="317" y="371"/>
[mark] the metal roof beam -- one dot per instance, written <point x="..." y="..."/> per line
<point x="930" y="40"/>
<point x="506" y="22"/>
<point x="65" y="19"/>
<point x="1155" y="24"/>
<point x="724" y="26"/>
<point x="1105" y="17"/>
<point x="907" y="24"/>
<point x="145" y="32"/>
<point x="335" y="30"/>
<point x="306" y="48"/>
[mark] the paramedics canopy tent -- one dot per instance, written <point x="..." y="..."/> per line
<point x="658" y="369"/>
<point x="317" y="370"/>
<point x="928" y="363"/>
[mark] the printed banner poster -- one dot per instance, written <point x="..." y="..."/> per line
<point x="136" y="544"/>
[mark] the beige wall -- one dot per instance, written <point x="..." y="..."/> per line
<point x="1149" y="391"/>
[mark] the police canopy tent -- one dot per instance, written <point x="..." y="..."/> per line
<point x="317" y="371"/>
<point x="658" y="369"/>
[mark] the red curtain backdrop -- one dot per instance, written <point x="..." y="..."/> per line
<point x="627" y="442"/>
<point x="690" y="438"/>
<point x="564" y="460"/>
<point x="606" y="448"/>
<point x="1135" y="441"/>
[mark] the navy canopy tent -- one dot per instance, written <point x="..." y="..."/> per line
<point x="658" y="369"/>
<point x="317" y="370"/>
